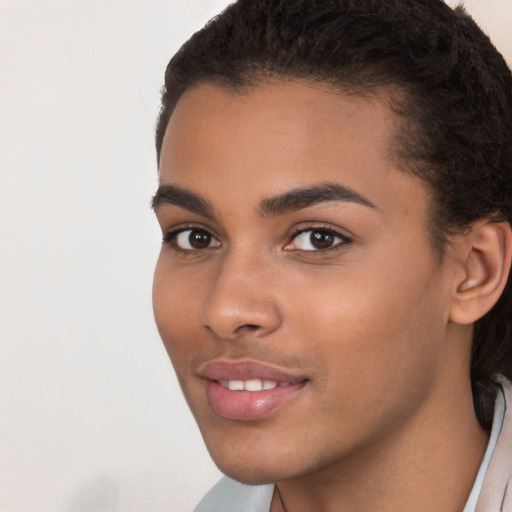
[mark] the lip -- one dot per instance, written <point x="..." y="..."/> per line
<point x="244" y="370"/>
<point x="248" y="405"/>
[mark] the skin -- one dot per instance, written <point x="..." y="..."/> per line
<point x="385" y="421"/>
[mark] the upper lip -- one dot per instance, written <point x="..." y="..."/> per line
<point x="223" y="369"/>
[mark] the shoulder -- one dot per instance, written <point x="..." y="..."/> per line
<point x="496" y="493"/>
<point x="231" y="496"/>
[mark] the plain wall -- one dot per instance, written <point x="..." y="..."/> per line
<point x="91" y="416"/>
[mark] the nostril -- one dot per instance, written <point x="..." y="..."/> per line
<point x="248" y="327"/>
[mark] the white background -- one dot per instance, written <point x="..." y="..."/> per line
<point x="91" y="417"/>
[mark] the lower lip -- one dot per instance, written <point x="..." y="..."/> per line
<point x="249" y="405"/>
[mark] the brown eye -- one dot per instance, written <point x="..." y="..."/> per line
<point x="199" y="239"/>
<point x="321" y="239"/>
<point x="316" y="240"/>
<point x="195" y="239"/>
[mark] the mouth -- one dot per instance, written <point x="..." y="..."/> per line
<point x="248" y="390"/>
<point x="252" y="385"/>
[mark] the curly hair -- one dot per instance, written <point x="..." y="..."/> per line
<point x="447" y="83"/>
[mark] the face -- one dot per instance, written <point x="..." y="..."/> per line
<point x="297" y="293"/>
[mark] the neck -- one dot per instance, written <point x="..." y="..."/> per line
<point x="426" y="465"/>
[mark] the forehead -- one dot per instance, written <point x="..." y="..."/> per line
<point x="263" y="140"/>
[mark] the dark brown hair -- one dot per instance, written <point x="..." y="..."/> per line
<point x="445" y="80"/>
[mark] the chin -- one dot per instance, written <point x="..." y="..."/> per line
<point x="252" y="468"/>
<point x="252" y="476"/>
<point x="259" y="467"/>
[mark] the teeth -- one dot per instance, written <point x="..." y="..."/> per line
<point x="251" y="384"/>
<point x="236" y="385"/>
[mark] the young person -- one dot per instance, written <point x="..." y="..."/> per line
<point x="335" y="200"/>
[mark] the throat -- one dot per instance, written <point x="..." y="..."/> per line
<point x="277" y="504"/>
<point x="419" y="479"/>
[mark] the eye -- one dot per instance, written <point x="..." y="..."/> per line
<point x="191" y="239"/>
<point x="319" y="239"/>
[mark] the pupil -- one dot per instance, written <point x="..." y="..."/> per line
<point x="321" y="239"/>
<point x="199" y="239"/>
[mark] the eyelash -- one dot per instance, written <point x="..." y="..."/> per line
<point x="343" y="243"/>
<point x="170" y="237"/>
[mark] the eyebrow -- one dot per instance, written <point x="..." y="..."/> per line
<point x="177" y="196"/>
<point x="296" y="199"/>
<point x="300" y="198"/>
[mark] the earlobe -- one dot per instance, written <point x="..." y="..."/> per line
<point x="487" y="262"/>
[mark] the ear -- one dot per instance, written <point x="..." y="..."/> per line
<point x="486" y="259"/>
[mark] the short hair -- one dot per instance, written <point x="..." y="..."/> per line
<point x="447" y="83"/>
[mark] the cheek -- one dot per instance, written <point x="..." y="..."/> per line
<point x="175" y="308"/>
<point x="370" y="326"/>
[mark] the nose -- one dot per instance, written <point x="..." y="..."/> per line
<point x="241" y="302"/>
